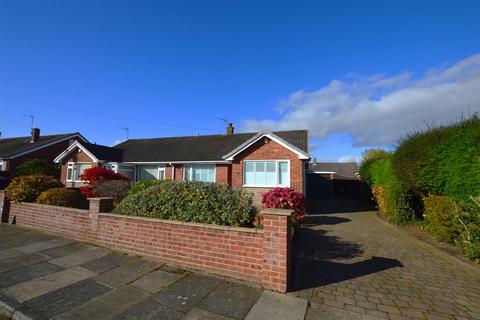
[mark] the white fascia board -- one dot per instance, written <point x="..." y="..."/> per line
<point x="178" y="162"/>
<point x="16" y="155"/>
<point x="301" y="154"/>
<point x="323" y="172"/>
<point x="74" y="145"/>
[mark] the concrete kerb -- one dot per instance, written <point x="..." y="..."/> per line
<point x="12" y="309"/>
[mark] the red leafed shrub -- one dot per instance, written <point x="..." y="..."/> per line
<point x="92" y="176"/>
<point x="285" y="198"/>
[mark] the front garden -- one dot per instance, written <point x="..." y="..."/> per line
<point x="431" y="180"/>
<point x="199" y="202"/>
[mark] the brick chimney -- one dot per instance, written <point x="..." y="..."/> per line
<point x="230" y="128"/>
<point x="35" y="135"/>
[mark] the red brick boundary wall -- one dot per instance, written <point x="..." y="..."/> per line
<point x="260" y="255"/>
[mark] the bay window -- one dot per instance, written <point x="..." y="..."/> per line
<point x="199" y="172"/>
<point x="127" y="170"/>
<point x="75" y="170"/>
<point x="151" y="171"/>
<point x="266" y="173"/>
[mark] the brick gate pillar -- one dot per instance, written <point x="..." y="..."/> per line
<point x="277" y="248"/>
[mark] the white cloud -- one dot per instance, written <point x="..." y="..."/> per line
<point x="377" y="110"/>
<point x="350" y="158"/>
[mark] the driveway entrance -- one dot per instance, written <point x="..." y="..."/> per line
<point x="358" y="266"/>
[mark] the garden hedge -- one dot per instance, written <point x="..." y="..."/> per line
<point x="145" y="184"/>
<point x="192" y="202"/>
<point x="28" y="188"/>
<point x="63" y="197"/>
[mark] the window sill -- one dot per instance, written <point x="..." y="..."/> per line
<point x="248" y="186"/>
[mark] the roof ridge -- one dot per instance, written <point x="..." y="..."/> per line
<point x="215" y="135"/>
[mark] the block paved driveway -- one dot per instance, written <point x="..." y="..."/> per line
<point x="354" y="265"/>
<point x="48" y="277"/>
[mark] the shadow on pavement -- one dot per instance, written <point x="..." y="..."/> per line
<point x="318" y="257"/>
<point x="338" y="205"/>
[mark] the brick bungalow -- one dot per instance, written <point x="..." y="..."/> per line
<point x="255" y="161"/>
<point x="14" y="151"/>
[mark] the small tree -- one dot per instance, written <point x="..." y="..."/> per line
<point x="37" y="167"/>
<point x="93" y="176"/>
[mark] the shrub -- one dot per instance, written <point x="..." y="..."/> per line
<point x="63" y="197"/>
<point x="456" y="171"/>
<point x="467" y="220"/>
<point x="285" y="198"/>
<point x="145" y="184"/>
<point x="382" y="172"/>
<point x="416" y="154"/>
<point x="116" y="189"/>
<point x="395" y="203"/>
<point x="92" y="176"/>
<point x="28" y="188"/>
<point x="440" y="215"/>
<point x="369" y="157"/>
<point x="36" y="167"/>
<point x="193" y="202"/>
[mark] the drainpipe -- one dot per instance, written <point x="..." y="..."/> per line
<point x="173" y="171"/>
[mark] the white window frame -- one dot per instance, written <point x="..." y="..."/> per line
<point x="2" y="165"/>
<point x="199" y="164"/>
<point x="160" y="168"/>
<point x="277" y="173"/>
<point x="72" y="165"/>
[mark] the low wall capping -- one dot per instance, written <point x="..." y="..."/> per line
<point x="260" y="255"/>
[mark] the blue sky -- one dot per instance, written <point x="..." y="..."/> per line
<point x="355" y="73"/>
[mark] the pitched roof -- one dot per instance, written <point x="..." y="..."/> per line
<point x="10" y="147"/>
<point x="104" y="153"/>
<point x="341" y="169"/>
<point x="198" y="148"/>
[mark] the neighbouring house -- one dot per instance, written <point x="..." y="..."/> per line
<point x="333" y="179"/>
<point x="255" y="161"/>
<point x="14" y="151"/>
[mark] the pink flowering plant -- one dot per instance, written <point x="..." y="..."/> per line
<point x="285" y="198"/>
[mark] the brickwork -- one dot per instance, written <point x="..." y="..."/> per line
<point x="260" y="255"/>
<point x="74" y="156"/>
<point x="266" y="149"/>
<point x="223" y="174"/>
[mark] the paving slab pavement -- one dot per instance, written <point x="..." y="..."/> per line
<point x="279" y="307"/>
<point x="108" y="305"/>
<point x="46" y="277"/>
<point x="232" y="300"/>
<point x="156" y="280"/>
<point x="200" y="314"/>
<point x="79" y="257"/>
<point x="36" y="287"/>
<point x="25" y="273"/>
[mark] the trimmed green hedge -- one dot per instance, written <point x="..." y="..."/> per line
<point x="369" y="157"/>
<point x="28" y="188"/>
<point x="145" y="184"/>
<point x="455" y="169"/>
<point x="420" y="156"/>
<point x="63" y="197"/>
<point x="192" y="202"/>
<point x="440" y="217"/>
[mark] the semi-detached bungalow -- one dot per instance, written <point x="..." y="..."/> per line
<point x="256" y="161"/>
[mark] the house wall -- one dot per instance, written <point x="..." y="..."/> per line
<point x="77" y="155"/>
<point x="223" y="174"/>
<point x="266" y="149"/>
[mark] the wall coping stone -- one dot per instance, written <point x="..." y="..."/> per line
<point x="191" y="224"/>
<point x="74" y="210"/>
<point x="277" y="212"/>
